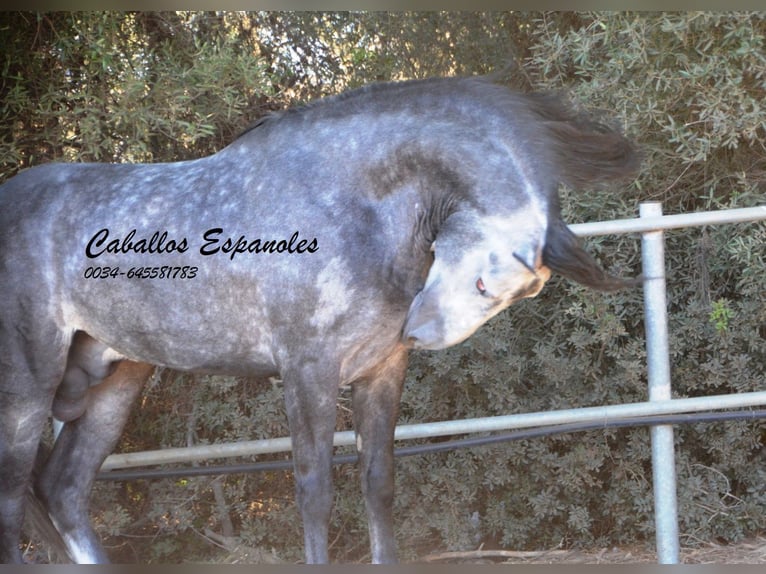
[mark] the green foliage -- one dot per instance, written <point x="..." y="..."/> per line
<point x="689" y="88"/>
<point x="121" y="87"/>
<point x="720" y="315"/>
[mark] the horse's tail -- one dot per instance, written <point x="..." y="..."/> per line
<point x="37" y="521"/>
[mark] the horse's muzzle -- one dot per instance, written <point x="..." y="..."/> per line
<point x="424" y="327"/>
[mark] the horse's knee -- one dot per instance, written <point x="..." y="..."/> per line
<point x="379" y="482"/>
<point x="313" y="488"/>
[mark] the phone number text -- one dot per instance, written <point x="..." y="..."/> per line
<point x="163" y="272"/>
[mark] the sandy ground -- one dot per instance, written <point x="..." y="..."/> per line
<point x="752" y="551"/>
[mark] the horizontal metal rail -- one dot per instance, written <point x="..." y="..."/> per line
<point x="642" y="224"/>
<point x="446" y="428"/>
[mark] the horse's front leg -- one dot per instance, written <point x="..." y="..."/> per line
<point x="376" y="407"/>
<point x="66" y="479"/>
<point x="310" y="403"/>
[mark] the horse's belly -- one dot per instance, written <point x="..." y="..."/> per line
<point x="170" y="328"/>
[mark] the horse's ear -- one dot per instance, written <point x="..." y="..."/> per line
<point x="530" y="256"/>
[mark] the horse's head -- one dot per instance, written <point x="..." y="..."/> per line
<point x="482" y="265"/>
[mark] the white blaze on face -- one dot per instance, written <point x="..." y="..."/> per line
<point x="481" y="266"/>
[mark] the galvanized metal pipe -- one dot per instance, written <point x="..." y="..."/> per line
<point x="658" y="371"/>
<point x="658" y="222"/>
<point x="447" y="428"/>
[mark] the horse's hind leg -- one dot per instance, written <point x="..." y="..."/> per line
<point x="375" y="410"/>
<point x="32" y="362"/>
<point x="65" y="482"/>
<point x="23" y="414"/>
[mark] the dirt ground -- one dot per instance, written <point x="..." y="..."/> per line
<point x="752" y="551"/>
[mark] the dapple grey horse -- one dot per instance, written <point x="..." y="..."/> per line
<point x="319" y="246"/>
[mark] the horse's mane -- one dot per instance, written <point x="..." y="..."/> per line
<point x="585" y="151"/>
<point x="347" y="102"/>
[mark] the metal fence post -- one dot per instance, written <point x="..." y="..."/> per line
<point x="658" y="365"/>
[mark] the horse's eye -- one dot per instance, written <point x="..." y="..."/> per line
<point x="480" y="286"/>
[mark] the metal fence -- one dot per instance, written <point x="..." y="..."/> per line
<point x="651" y="224"/>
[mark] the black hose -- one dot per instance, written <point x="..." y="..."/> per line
<point x="652" y="420"/>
